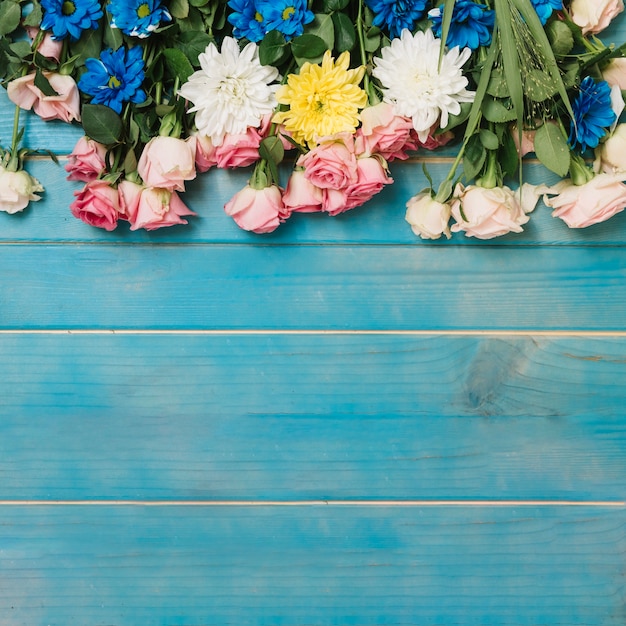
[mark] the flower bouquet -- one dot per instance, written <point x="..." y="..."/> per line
<point x="336" y="90"/>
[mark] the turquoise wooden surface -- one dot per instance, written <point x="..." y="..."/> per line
<point x="333" y="424"/>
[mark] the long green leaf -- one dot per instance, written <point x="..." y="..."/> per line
<point x="446" y="19"/>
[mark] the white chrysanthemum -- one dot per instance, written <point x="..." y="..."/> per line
<point x="232" y="90"/>
<point x="416" y="85"/>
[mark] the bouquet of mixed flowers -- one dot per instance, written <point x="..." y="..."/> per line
<point x="165" y="89"/>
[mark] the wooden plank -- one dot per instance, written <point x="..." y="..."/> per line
<point x="311" y="417"/>
<point x="311" y="287"/>
<point x="66" y="566"/>
<point x="380" y="221"/>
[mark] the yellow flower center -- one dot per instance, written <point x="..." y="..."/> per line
<point x="288" y="12"/>
<point x="68" y="7"/>
<point x="258" y="17"/>
<point x="114" y="82"/>
<point x="322" y="100"/>
<point x="143" y="10"/>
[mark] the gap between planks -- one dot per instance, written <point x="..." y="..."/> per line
<point x="261" y="331"/>
<point x="311" y="503"/>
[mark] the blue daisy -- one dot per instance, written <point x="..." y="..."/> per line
<point x="137" y="18"/>
<point x="114" y="78"/>
<point x="545" y="8"/>
<point x="286" y="16"/>
<point x="593" y="114"/>
<point x="471" y="25"/>
<point x="70" y="17"/>
<point x="248" y="22"/>
<point x="393" y="16"/>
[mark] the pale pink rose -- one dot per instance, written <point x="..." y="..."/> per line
<point x="86" y="161"/>
<point x="528" y="141"/>
<point x="611" y="155"/>
<point x="65" y="106"/>
<point x="331" y="164"/>
<point x="97" y="204"/>
<point x="17" y="189"/>
<point x="48" y="47"/>
<point x="167" y="162"/>
<point x="385" y="133"/>
<point x="594" y="15"/>
<point x="427" y="217"/>
<point x="151" y="207"/>
<point x="301" y="195"/>
<point x="580" y="206"/>
<point x="434" y="141"/>
<point x="372" y="176"/>
<point x="239" y="150"/>
<point x="204" y="152"/>
<point x="334" y="201"/>
<point x="257" y="210"/>
<point x="489" y="213"/>
<point x="615" y="73"/>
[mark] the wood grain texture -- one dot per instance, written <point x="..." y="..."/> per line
<point x="380" y="221"/>
<point x="311" y="287"/>
<point x="311" y="417"/>
<point x="309" y="565"/>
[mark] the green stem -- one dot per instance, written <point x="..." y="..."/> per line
<point x="14" y="162"/>
<point x="364" y="59"/>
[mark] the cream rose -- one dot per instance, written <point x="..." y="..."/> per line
<point x="427" y="217"/>
<point x="17" y="189"/>
<point x="594" y="15"/>
<point x="611" y="155"/>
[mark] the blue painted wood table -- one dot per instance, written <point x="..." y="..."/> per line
<point x="332" y="424"/>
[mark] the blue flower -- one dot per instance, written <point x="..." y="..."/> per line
<point x="247" y="20"/>
<point x="593" y="114"/>
<point x="286" y="16"/>
<point x="114" y="78"/>
<point x="471" y="25"/>
<point x="137" y="18"/>
<point x="394" y="16"/>
<point x="545" y="8"/>
<point x="70" y="17"/>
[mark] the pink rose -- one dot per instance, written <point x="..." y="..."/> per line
<point x="86" y="161"/>
<point x="302" y="195"/>
<point x="97" y="204"/>
<point x="384" y="132"/>
<point x="372" y="176"/>
<point x="611" y="155"/>
<point x="239" y="150"/>
<point x="204" y="152"/>
<point x="580" y="206"/>
<point x="594" y="15"/>
<point x="331" y="164"/>
<point x="615" y="73"/>
<point x="489" y="213"/>
<point x="17" y="189"/>
<point x="427" y="217"/>
<point x="258" y="210"/>
<point x="528" y="141"/>
<point x="167" y="162"/>
<point x="65" y="106"/>
<point x="434" y="141"/>
<point x="48" y="47"/>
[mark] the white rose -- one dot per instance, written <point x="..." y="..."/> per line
<point x="487" y="213"/>
<point x="611" y="155"/>
<point x="17" y="189"/>
<point x="594" y="15"/>
<point x="615" y="72"/>
<point x="427" y="217"/>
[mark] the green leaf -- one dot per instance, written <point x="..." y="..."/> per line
<point x="539" y="87"/>
<point x="308" y="46"/>
<point x="43" y="84"/>
<point x="130" y="162"/>
<point x="372" y="40"/>
<point x="179" y="9"/>
<point x="102" y="124"/>
<point x="20" y="49"/>
<point x="474" y="157"/>
<point x="551" y="149"/>
<point x="508" y="156"/>
<point x="112" y="38"/>
<point x="322" y="26"/>
<point x="495" y="110"/>
<point x="560" y="37"/>
<point x="10" y="14"/>
<point x="488" y="139"/>
<point x="88" y="46"/>
<point x="328" y="6"/>
<point x="272" y="150"/>
<point x="35" y="16"/>
<point x="446" y="19"/>
<point x="192" y="43"/>
<point x="345" y="35"/>
<point x="497" y="84"/>
<point x="178" y="64"/>
<point x="273" y="48"/>
<point x="457" y="120"/>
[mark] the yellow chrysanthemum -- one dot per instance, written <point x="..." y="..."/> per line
<point x="323" y="99"/>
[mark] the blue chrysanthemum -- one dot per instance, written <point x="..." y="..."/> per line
<point x="114" y="78"/>
<point x="137" y="18"/>
<point x="249" y="23"/>
<point x="545" y="8"/>
<point x="286" y="16"/>
<point x="471" y="25"/>
<point x="593" y="114"/>
<point x="393" y="16"/>
<point x="70" y="17"/>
